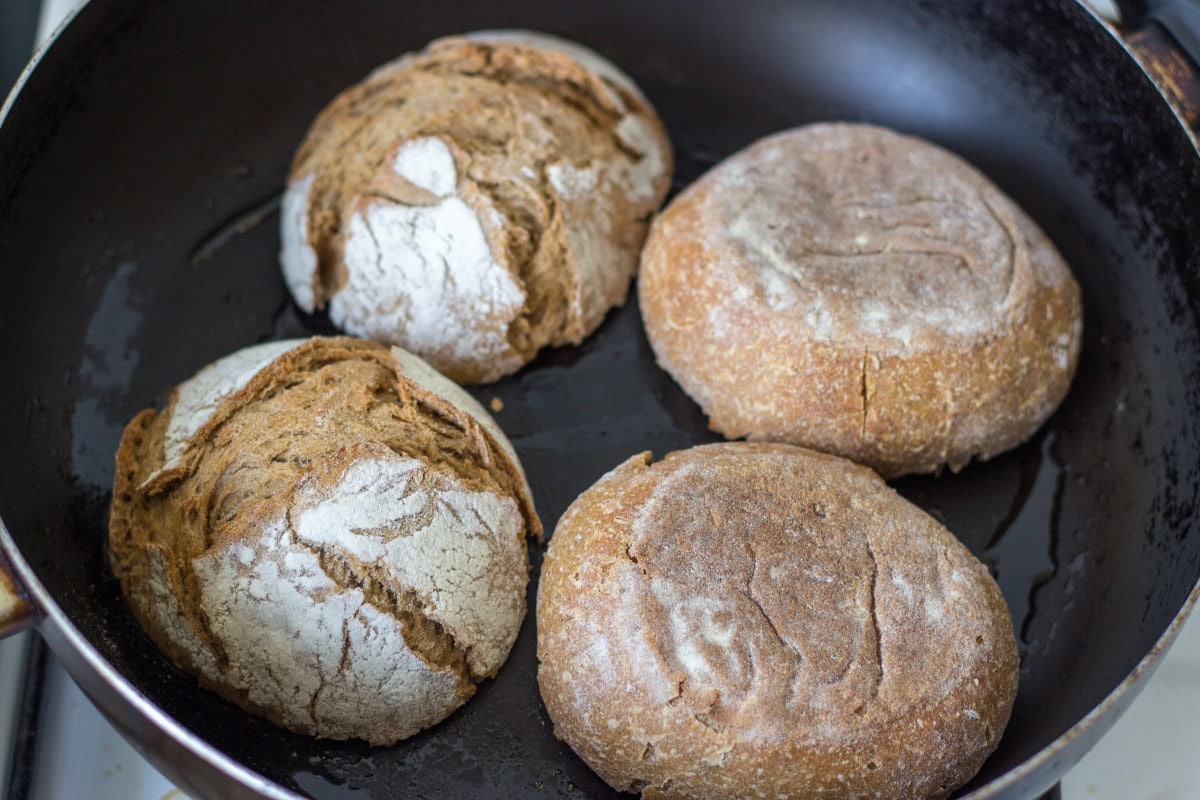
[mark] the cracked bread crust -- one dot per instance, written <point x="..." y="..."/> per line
<point x="476" y="201"/>
<point x="902" y="311"/>
<point x="330" y="538"/>
<point x="752" y="619"/>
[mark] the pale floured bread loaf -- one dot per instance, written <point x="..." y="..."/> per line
<point x="326" y="532"/>
<point x="762" y="620"/>
<point x="865" y="293"/>
<point x="476" y="201"/>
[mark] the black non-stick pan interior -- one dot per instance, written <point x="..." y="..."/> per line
<point x="138" y="238"/>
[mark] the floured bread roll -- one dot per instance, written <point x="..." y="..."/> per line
<point x="761" y="620"/>
<point x="865" y="293"/>
<point x="476" y="201"/>
<point x="327" y="533"/>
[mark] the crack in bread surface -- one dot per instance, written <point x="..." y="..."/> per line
<point x="873" y="607"/>
<point x="428" y="640"/>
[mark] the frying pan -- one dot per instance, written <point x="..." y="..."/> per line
<point x="140" y="165"/>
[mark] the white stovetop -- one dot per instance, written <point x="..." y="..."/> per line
<point x="1152" y="753"/>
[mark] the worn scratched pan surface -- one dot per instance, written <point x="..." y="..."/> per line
<point x="139" y="168"/>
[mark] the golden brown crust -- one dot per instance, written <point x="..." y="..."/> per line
<point x="759" y="619"/>
<point x="906" y="317"/>
<point x="522" y="122"/>
<point x="264" y="478"/>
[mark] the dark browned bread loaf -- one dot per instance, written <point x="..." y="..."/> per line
<point x="476" y="201"/>
<point x="326" y="532"/>
<point x="761" y="620"/>
<point x="868" y="294"/>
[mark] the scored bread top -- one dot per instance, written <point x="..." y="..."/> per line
<point x="848" y="288"/>
<point x="759" y="618"/>
<point x="320" y="535"/>
<point x="875" y="237"/>
<point x="476" y="201"/>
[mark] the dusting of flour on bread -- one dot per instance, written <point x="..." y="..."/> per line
<point x="639" y="177"/>
<point x="427" y="163"/>
<point x="169" y="617"/>
<point x="424" y="277"/>
<point x="316" y="651"/>
<point x="938" y="255"/>
<point x="200" y="395"/>
<point x="431" y="534"/>
<point x="296" y="256"/>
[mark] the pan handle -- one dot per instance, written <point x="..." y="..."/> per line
<point x="1165" y="36"/>
<point x="16" y="612"/>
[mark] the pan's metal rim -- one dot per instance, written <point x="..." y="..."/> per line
<point x="1118" y="37"/>
<point x="48" y="611"/>
<point x="36" y="59"/>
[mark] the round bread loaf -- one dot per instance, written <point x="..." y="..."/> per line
<point x="865" y="293"/>
<point x="327" y="533"/>
<point x="476" y="201"/>
<point x="761" y="620"/>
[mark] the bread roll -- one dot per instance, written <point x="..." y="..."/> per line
<point x="761" y="620"/>
<point x="476" y="201"/>
<point x="865" y="293"/>
<point x="327" y="533"/>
